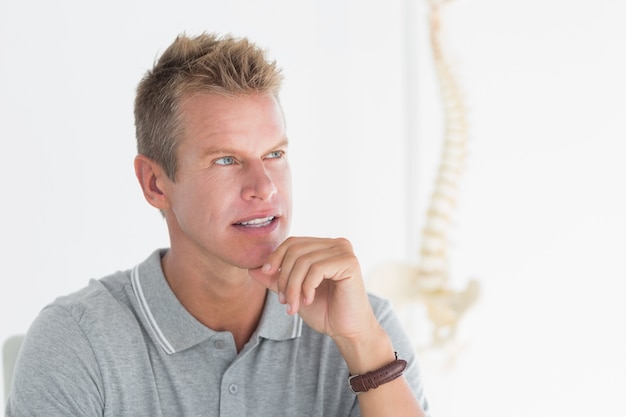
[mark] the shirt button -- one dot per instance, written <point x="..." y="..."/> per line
<point x="233" y="389"/>
<point x="219" y="344"/>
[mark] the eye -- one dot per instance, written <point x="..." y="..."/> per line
<point x="275" y="154"/>
<point x="225" y="160"/>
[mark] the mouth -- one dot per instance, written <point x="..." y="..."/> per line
<point x="256" y="223"/>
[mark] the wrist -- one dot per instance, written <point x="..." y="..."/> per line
<point x="367" y="352"/>
<point x="372" y="380"/>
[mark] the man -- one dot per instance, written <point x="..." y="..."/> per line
<point x="234" y="318"/>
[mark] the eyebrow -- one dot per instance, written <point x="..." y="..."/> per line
<point x="230" y="151"/>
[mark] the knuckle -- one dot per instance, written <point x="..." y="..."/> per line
<point x="290" y="240"/>
<point x="316" y="270"/>
<point x="343" y="243"/>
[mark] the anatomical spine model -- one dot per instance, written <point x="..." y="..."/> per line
<point x="428" y="282"/>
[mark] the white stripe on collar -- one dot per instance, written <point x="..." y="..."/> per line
<point x="145" y="309"/>
<point x="297" y="326"/>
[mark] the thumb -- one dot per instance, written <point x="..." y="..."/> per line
<point x="265" y="276"/>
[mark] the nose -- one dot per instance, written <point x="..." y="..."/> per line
<point x="257" y="183"/>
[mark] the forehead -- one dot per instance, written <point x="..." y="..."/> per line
<point x="213" y="113"/>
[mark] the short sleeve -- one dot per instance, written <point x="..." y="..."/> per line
<point x="56" y="373"/>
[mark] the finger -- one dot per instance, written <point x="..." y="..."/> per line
<point x="299" y="266"/>
<point x="326" y="267"/>
<point x="309" y="271"/>
<point x="297" y="257"/>
<point x="268" y="273"/>
<point x="303" y="278"/>
<point x="281" y="261"/>
<point x="327" y="264"/>
<point x="265" y="276"/>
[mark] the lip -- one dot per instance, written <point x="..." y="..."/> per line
<point x="261" y="229"/>
<point x="256" y="216"/>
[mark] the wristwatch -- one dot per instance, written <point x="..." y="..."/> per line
<point x="362" y="383"/>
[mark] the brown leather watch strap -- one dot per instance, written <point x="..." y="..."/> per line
<point x="371" y="380"/>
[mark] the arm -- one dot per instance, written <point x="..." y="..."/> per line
<point x="393" y="398"/>
<point x="321" y="280"/>
<point x="56" y="373"/>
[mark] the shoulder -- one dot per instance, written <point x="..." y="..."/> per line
<point x="78" y="323"/>
<point x="62" y="353"/>
<point x="100" y="303"/>
<point x="57" y="362"/>
<point x="91" y="309"/>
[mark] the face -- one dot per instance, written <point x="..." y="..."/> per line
<point x="231" y="201"/>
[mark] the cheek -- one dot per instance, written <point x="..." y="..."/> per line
<point x="282" y="180"/>
<point x="194" y="200"/>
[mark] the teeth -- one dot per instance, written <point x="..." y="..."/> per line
<point x="258" y="222"/>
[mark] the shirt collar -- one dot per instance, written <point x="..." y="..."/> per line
<point x="175" y="329"/>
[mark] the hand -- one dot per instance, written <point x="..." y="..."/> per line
<point x="320" y="279"/>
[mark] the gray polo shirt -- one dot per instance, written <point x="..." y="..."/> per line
<point x="125" y="346"/>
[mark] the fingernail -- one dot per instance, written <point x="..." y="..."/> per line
<point x="281" y="298"/>
<point x="266" y="268"/>
<point x="288" y="307"/>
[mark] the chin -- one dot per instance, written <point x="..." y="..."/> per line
<point x="257" y="254"/>
<point x="254" y="260"/>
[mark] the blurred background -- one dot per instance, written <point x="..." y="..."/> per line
<point x="540" y="221"/>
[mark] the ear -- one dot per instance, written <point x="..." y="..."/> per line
<point x="152" y="179"/>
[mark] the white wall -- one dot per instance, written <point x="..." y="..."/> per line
<point x="541" y="218"/>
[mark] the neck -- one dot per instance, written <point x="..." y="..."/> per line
<point x="223" y="299"/>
